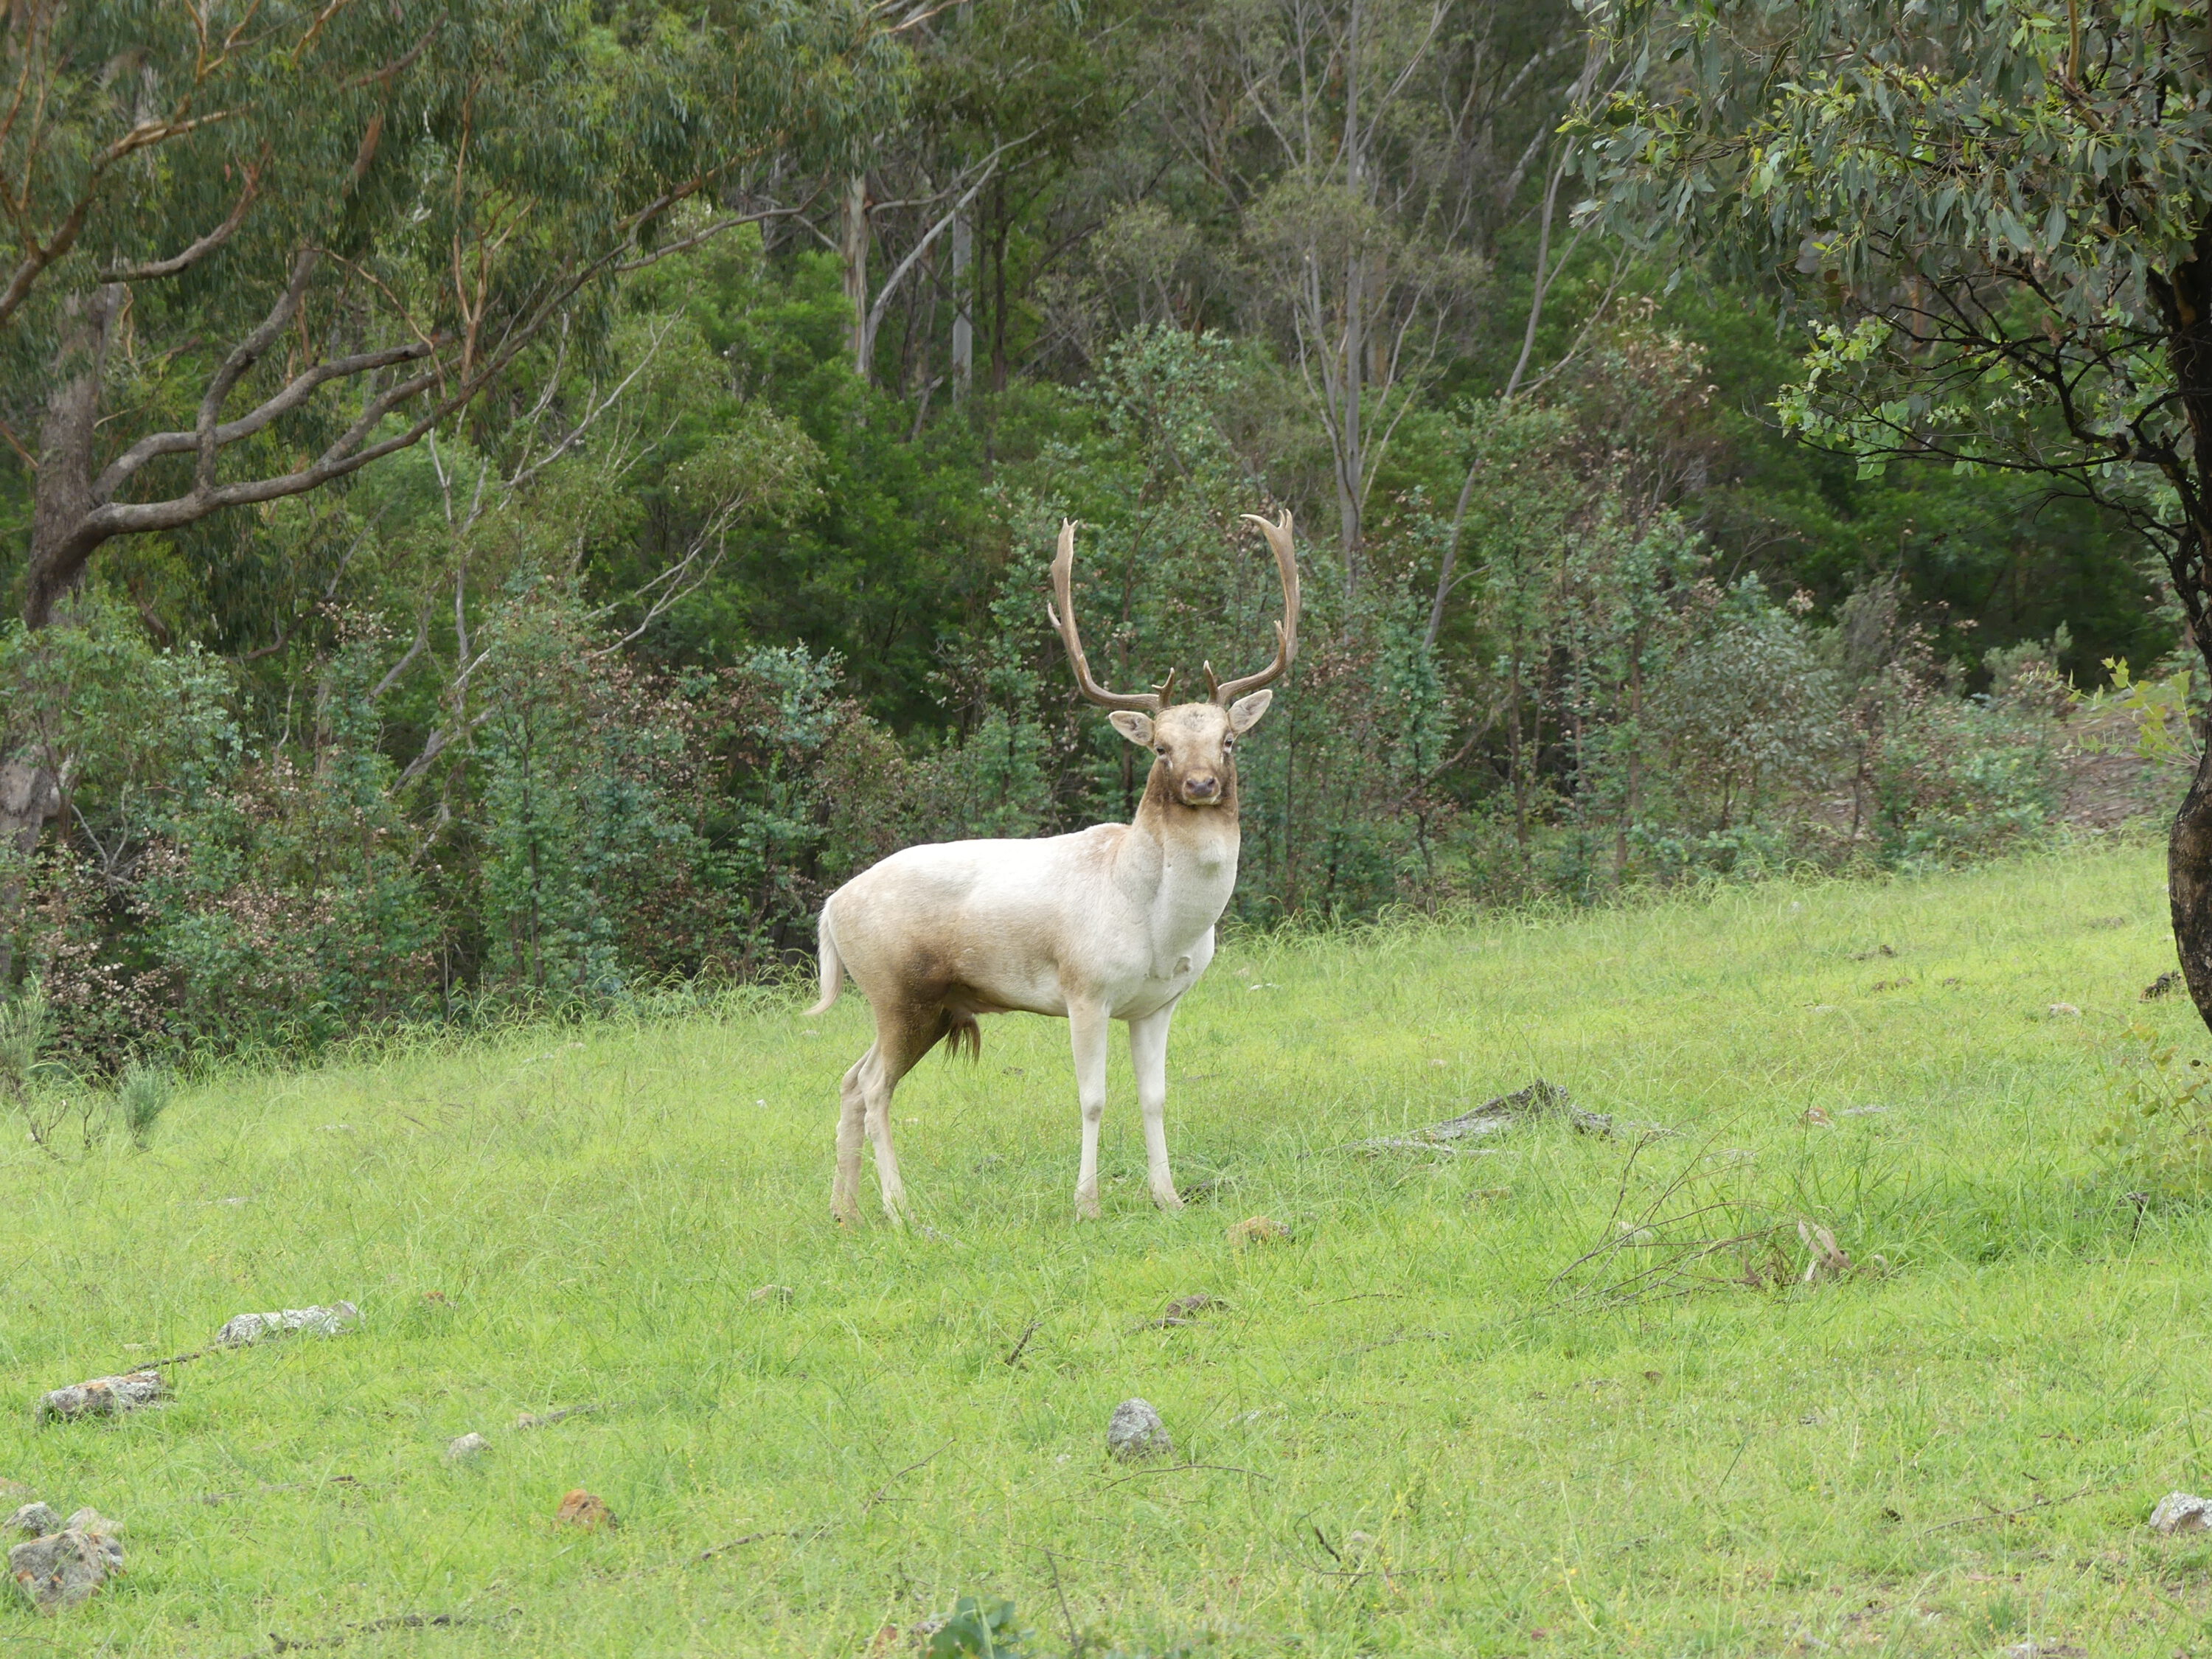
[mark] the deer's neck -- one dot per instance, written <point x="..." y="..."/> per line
<point x="1183" y="866"/>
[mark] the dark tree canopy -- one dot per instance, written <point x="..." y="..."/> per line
<point x="2000" y="218"/>
<point x="294" y="237"/>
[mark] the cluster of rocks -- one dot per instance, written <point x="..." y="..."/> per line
<point x="60" y="1563"/>
<point x="110" y="1396"/>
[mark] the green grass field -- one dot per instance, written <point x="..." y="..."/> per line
<point x="1951" y="1456"/>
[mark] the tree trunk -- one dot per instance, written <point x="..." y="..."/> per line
<point x="963" y="322"/>
<point x="2189" y="884"/>
<point x="1000" y="228"/>
<point x="2186" y="302"/>
<point x="61" y="501"/>
<point x="62" y="488"/>
<point x="30" y="794"/>
<point x="853" y="252"/>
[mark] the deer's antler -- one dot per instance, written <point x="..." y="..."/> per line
<point x="1278" y="534"/>
<point x="1063" y="588"/>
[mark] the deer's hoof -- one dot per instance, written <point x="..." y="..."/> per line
<point x="1167" y="1199"/>
<point x="1087" y="1207"/>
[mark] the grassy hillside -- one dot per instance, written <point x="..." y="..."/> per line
<point x="1950" y="1454"/>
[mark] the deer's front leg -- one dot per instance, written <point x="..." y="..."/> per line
<point x="1148" y="1054"/>
<point x="1086" y="1034"/>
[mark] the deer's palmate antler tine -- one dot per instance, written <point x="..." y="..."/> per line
<point x="1278" y="534"/>
<point x="1063" y="618"/>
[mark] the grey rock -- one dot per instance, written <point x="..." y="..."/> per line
<point x="1539" y="1100"/>
<point x="242" y="1328"/>
<point x="63" y="1569"/>
<point x="103" y="1396"/>
<point x="34" y="1520"/>
<point x="467" y="1446"/>
<point x="89" y="1519"/>
<point x="2180" y="1511"/>
<point x="1136" y="1432"/>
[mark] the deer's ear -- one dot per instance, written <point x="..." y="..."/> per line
<point x="1244" y="714"/>
<point x="1137" y="728"/>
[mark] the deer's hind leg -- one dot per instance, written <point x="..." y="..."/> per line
<point x="902" y="1039"/>
<point x="1088" y="1028"/>
<point x="852" y="1105"/>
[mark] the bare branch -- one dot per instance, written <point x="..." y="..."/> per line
<point x="422" y="639"/>
<point x="199" y="250"/>
<point x="294" y="393"/>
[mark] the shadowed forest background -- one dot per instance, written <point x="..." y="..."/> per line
<point x="729" y="579"/>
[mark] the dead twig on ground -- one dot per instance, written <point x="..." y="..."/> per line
<point x="279" y="1644"/>
<point x="2045" y="1501"/>
<point x="739" y="1543"/>
<point x="1185" y="1469"/>
<point x="288" y="1485"/>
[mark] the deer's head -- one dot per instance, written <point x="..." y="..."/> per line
<point x="1195" y="742"/>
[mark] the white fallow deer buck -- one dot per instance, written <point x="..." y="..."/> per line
<point x="1113" y="922"/>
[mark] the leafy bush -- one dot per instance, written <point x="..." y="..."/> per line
<point x="2158" y="1135"/>
<point x="973" y="1630"/>
<point x="141" y="1097"/>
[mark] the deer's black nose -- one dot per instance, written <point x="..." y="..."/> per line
<point x="1201" y="788"/>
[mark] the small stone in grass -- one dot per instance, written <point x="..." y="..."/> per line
<point x="2180" y="1511"/>
<point x="32" y="1521"/>
<point x="242" y="1328"/>
<point x="771" y="1293"/>
<point x="1135" y="1432"/>
<point x="2164" y="985"/>
<point x="63" y="1569"/>
<point x="460" y="1449"/>
<point x="1257" y="1229"/>
<point x="102" y="1396"/>
<point x="546" y="1420"/>
<point x="2064" y="1011"/>
<point x="580" y="1508"/>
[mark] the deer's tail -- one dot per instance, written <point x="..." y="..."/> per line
<point x="833" y="966"/>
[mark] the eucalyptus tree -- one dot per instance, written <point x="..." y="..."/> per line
<point x="1370" y="154"/>
<point x="252" y="245"/>
<point x="1997" y="220"/>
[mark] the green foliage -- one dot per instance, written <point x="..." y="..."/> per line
<point x="142" y="1094"/>
<point x="23" y="1033"/>
<point x="2157" y="710"/>
<point x="1954" y="780"/>
<point x="1988" y="214"/>
<point x="2159" y="1133"/>
<point x="973" y="1630"/>
<point x="692" y="614"/>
